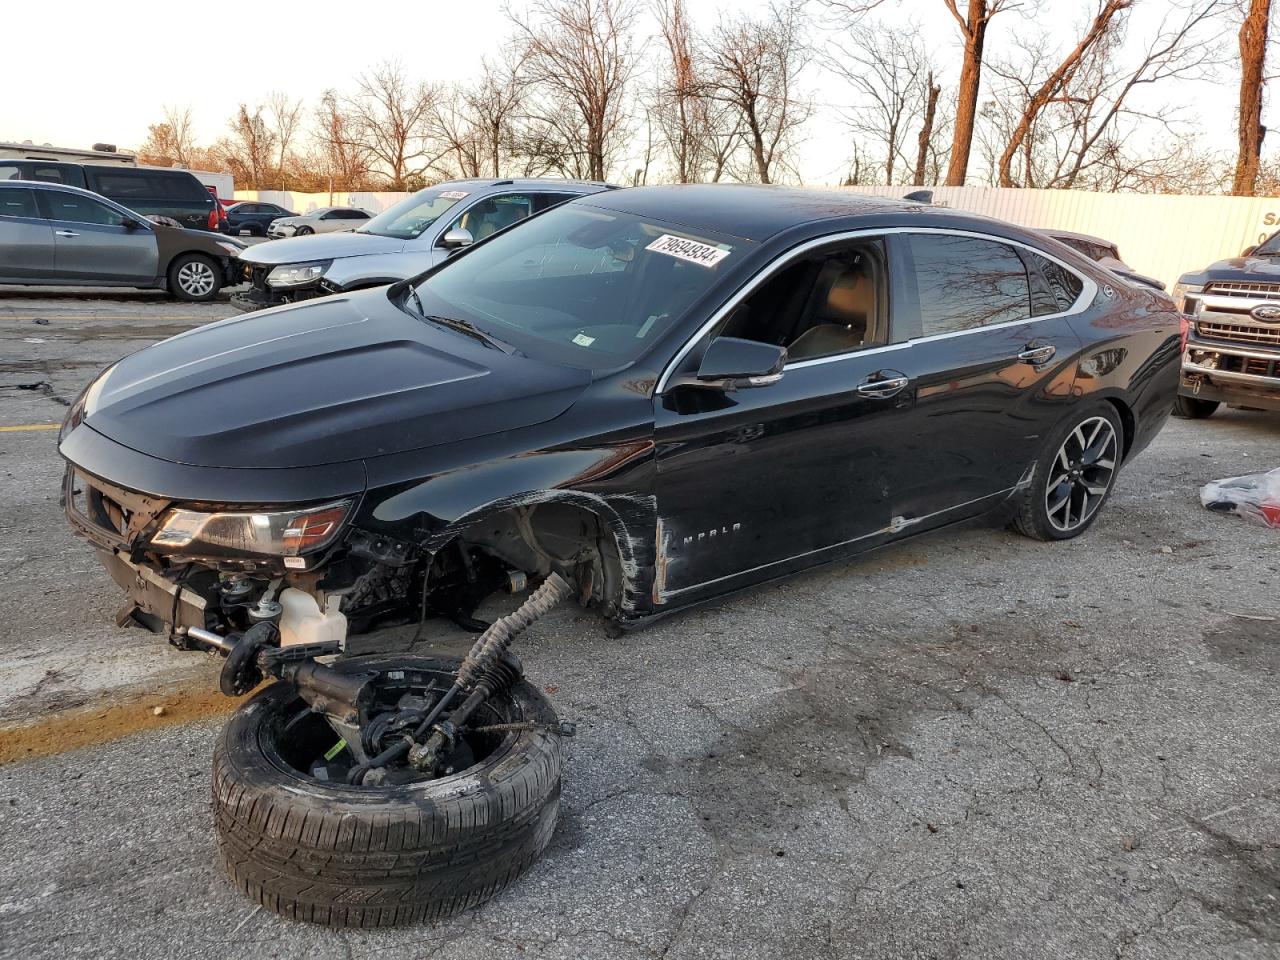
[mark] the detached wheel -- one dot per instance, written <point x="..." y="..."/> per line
<point x="194" y="277"/>
<point x="1191" y="408"/>
<point x="297" y="839"/>
<point x="1074" y="476"/>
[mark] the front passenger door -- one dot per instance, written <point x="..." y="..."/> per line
<point x="91" y="241"/>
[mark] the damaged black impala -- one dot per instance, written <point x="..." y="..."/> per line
<point x="638" y="401"/>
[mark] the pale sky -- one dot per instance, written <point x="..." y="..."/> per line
<point x="117" y="65"/>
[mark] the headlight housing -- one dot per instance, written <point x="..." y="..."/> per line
<point x="296" y="274"/>
<point x="284" y="533"/>
<point x="230" y="247"/>
<point x="1187" y="297"/>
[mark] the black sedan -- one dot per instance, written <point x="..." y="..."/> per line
<point x="643" y="398"/>
<point x="667" y="393"/>
<point x="254" y="217"/>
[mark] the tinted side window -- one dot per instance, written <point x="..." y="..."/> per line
<point x="179" y="186"/>
<point x="10" y="173"/>
<point x="53" y="175"/>
<point x="965" y="282"/>
<point x="546" y="200"/>
<point x="78" y="209"/>
<point x="18" y="203"/>
<point x="125" y="184"/>
<point x="351" y="215"/>
<point x="1065" y="285"/>
<point x="246" y="208"/>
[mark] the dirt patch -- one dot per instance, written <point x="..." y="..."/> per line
<point x="1252" y="644"/>
<point x="104" y="723"/>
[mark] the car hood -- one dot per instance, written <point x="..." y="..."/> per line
<point x="1241" y="269"/>
<point x="320" y="246"/>
<point x="338" y="379"/>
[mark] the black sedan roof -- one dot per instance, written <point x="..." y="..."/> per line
<point x="751" y="211"/>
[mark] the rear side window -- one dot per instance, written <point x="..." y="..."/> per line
<point x="10" y="173"/>
<point x="966" y="282"/>
<point x="18" y="203"/>
<point x="1064" y="285"/>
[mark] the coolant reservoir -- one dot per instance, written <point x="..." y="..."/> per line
<point x="304" y="622"/>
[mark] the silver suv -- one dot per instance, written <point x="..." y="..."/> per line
<point x="402" y="241"/>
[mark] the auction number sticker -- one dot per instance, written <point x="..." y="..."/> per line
<point x="453" y="195"/>
<point x="703" y="254"/>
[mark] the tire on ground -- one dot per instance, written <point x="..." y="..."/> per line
<point x="1193" y="408"/>
<point x="1031" y="518"/>
<point x="348" y="856"/>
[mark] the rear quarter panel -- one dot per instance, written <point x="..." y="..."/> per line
<point x="1131" y="354"/>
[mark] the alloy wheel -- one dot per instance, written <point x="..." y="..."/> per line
<point x="196" y="278"/>
<point x="1081" y="474"/>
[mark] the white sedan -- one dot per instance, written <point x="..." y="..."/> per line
<point x="323" y="220"/>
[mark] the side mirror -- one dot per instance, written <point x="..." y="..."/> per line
<point x="457" y="237"/>
<point x="1248" y="251"/>
<point x="733" y="364"/>
<point x="131" y="225"/>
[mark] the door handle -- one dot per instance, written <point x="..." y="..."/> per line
<point x="883" y="388"/>
<point x="66" y="233"/>
<point x="1038" y="355"/>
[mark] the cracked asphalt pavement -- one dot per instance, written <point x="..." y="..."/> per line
<point x="970" y="745"/>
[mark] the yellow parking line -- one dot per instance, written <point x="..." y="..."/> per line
<point x="30" y="426"/>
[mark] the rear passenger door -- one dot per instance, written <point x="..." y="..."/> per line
<point x="92" y="243"/>
<point x="991" y="360"/>
<point x="26" y="238"/>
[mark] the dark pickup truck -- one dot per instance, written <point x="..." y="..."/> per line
<point x="1232" y="352"/>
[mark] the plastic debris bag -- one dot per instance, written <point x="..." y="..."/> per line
<point x="1255" y="497"/>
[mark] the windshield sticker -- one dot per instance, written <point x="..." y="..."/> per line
<point x="583" y="340"/>
<point x="703" y="254"/>
<point x="453" y="194"/>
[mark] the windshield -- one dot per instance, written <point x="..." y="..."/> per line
<point x="581" y="285"/>
<point x="1269" y="247"/>
<point x="412" y="215"/>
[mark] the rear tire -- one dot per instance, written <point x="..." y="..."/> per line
<point x="1191" y="408"/>
<point x="1074" y="475"/>
<point x="194" y="277"/>
<point x="346" y="856"/>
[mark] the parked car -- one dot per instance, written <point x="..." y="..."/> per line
<point x="1232" y="352"/>
<point x="1104" y="252"/>
<point x="53" y="234"/>
<point x="657" y="396"/>
<point x="402" y="241"/>
<point x="145" y="190"/>
<point x="322" y="220"/>
<point x="254" y="216"/>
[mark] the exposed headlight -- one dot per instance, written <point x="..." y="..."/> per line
<point x="293" y="274"/>
<point x="288" y="533"/>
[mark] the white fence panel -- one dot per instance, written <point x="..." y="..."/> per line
<point x="1163" y="236"/>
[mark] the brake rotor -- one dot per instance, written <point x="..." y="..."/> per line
<point x="241" y="672"/>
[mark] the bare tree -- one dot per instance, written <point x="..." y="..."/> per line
<point x="924" y="140"/>
<point x="752" y="65"/>
<point x="494" y="104"/>
<point x="454" y="126"/>
<point x="1252" y="39"/>
<point x="250" y="149"/>
<point x="285" y="118"/>
<point x="1086" y="133"/>
<point x="342" y="156"/>
<point x="1102" y="22"/>
<point x="391" y="116"/>
<point x="171" y="142"/>
<point x="680" y="105"/>
<point x="890" y="72"/>
<point x="973" y="28"/>
<point x="579" y="56"/>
